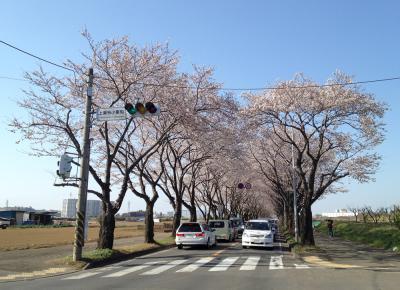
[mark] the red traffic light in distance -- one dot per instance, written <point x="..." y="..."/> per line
<point x="246" y="185"/>
<point x="151" y="108"/>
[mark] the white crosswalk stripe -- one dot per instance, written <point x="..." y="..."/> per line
<point x="301" y="266"/>
<point x="163" y="268"/>
<point x="196" y="265"/>
<point x="224" y="264"/>
<point x="91" y="273"/>
<point x="276" y="263"/>
<point x="132" y="269"/>
<point x="250" y="264"/>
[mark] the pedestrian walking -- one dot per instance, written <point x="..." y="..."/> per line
<point x="330" y="228"/>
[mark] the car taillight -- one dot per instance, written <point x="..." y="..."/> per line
<point x="180" y="235"/>
<point x="200" y="235"/>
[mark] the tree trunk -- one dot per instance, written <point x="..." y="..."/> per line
<point x="177" y="216"/>
<point x="289" y="222"/>
<point x="193" y="214"/>
<point x="306" y="233"/>
<point x="149" y="223"/>
<point x="107" y="226"/>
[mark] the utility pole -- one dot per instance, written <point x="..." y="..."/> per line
<point x="84" y="178"/>
<point x="294" y="183"/>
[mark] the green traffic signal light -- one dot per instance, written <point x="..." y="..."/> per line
<point x="130" y="108"/>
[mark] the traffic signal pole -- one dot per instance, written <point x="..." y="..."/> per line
<point x="84" y="176"/>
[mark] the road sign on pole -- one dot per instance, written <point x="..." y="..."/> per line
<point x="111" y="114"/>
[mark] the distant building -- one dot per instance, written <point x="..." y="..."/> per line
<point x="185" y="213"/>
<point x="338" y="213"/>
<point x="69" y="208"/>
<point x="93" y="208"/>
<point x="135" y="215"/>
<point x="27" y="216"/>
<point x="17" y="217"/>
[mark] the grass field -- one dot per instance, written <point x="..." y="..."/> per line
<point x="381" y="235"/>
<point x="32" y="238"/>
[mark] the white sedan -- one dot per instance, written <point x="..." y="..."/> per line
<point x="193" y="234"/>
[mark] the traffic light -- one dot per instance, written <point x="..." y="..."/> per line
<point x="140" y="109"/>
<point x="64" y="166"/>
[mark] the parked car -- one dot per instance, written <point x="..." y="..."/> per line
<point x="4" y="223"/>
<point x="258" y="233"/>
<point x="194" y="234"/>
<point x="223" y="229"/>
<point x="238" y="226"/>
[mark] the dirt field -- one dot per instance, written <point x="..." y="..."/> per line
<point x="33" y="238"/>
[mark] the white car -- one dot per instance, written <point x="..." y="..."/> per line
<point x="258" y="233"/>
<point x="194" y="234"/>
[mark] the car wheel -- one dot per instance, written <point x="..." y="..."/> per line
<point x="180" y="247"/>
<point x="245" y="247"/>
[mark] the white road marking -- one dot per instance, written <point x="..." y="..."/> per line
<point x="196" y="265"/>
<point x="156" y="253"/>
<point x="250" y="264"/>
<point x="87" y="274"/>
<point x="301" y="266"/>
<point x="276" y="263"/>
<point x="163" y="268"/>
<point x="83" y="275"/>
<point x="132" y="269"/>
<point x="224" y="264"/>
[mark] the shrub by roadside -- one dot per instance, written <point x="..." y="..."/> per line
<point x="104" y="256"/>
<point x="380" y="235"/>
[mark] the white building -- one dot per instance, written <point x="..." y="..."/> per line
<point x="93" y="208"/>
<point x="69" y="208"/>
<point x="338" y="213"/>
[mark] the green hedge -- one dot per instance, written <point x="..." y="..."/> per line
<point x="381" y="235"/>
<point x="42" y="226"/>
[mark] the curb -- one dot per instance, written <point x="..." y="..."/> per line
<point x="125" y="257"/>
<point x="120" y="258"/>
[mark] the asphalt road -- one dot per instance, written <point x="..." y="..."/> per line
<point x="227" y="266"/>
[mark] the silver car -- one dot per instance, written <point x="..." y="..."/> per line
<point x="194" y="234"/>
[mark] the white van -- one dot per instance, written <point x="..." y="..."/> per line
<point x="223" y="229"/>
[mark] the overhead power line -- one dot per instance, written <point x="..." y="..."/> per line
<point x="210" y="88"/>
<point x="277" y="88"/>
<point x="35" y="56"/>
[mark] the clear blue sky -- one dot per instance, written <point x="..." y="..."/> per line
<point x="249" y="43"/>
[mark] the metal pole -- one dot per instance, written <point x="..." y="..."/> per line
<point x="81" y="212"/>
<point x="296" y="232"/>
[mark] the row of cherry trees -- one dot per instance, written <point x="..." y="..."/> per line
<point x="204" y="142"/>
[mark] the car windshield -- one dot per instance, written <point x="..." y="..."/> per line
<point x="217" y="224"/>
<point x="236" y="223"/>
<point x="189" y="228"/>
<point x="262" y="226"/>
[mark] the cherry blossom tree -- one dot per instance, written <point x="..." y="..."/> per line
<point x="333" y="130"/>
